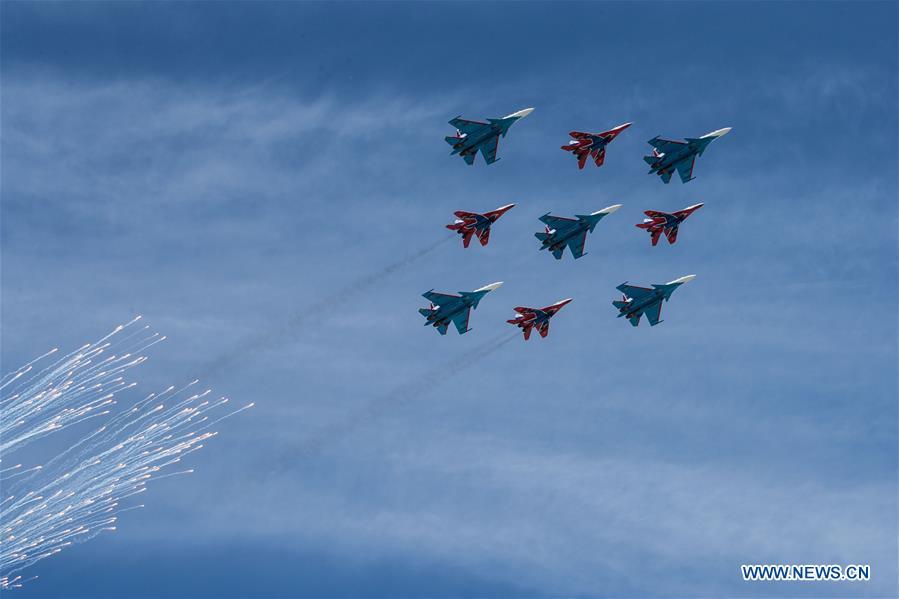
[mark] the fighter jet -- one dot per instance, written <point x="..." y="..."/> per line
<point x="572" y="232"/>
<point x="662" y="222"/>
<point x="531" y="318"/>
<point x="641" y="300"/>
<point x="472" y="223"/>
<point x="446" y="308"/>
<point x="583" y="145"/>
<point x="668" y="155"/>
<point x="472" y="136"/>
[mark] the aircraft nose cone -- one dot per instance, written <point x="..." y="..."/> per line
<point x="564" y="302"/>
<point x="719" y="132"/>
<point x="521" y="113"/>
<point x="491" y="286"/>
<point x="684" y="279"/>
<point x="609" y="209"/>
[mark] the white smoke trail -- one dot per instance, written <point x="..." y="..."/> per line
<point x="393" y="400"/>
<point x="79" y="493"/>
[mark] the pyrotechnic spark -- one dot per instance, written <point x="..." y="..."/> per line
<point x="79" y="493"/>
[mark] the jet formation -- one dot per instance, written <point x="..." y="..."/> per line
<point x="560" y="232"/>
<point x="472" y="136"/>
<point x="662" y="222"/>
<point x="529" y="319"/>
<point x="585" y="145"/>
<point x="468" y="224"/>
<point x="668" y="155"/>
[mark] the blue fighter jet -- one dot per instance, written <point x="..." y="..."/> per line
<point x="668" y="156"/>
<point x="642" y="300"/>
<point x="564" y="232"/>
<point x="447" y="308"/>
<point x="472" y="136"/>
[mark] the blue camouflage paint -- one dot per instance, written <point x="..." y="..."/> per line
<point x="643" y="300"/>
<point x="472" y="136"/>
<point x="447" y="308"/>
<point x="669" y="155"/>
<point x="562" y="232"/>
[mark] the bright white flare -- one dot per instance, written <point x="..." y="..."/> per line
<point x="79" y="493"/>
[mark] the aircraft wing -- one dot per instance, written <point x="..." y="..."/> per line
<point x="441" y="328"/>
<point x="654" y="313"/>
<point x="649" y="213"/>
<point x="665" y="175"/>
<point x="441" y="299"/>
<point x="461" y="321"/>
<point x="469" y="160"/>
<point x="555" y="222"/>
<point x="544" y="328"/>
<point x="599" y="156"/>
<point x="685" y="169"/>
<point x="665" y="145"/>
<point x="633" y="291"/>
<point x="484" y="236"/>
<point x="466" y="126"/>
<point x="577" y="245"/>
<point x="635" y="319"/>
<point x="655" y="236"/>
<point x="671" y="234"/>
<point x="489" y="149"/>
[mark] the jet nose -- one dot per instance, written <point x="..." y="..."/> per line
<point x="622" y="127"/>
<point x="684" y="279"/>
<point x="521" y="113"/>
<point x="719" y="132"/>
<point x="491" y="286"/>
<point x="609" y="209"/>
<point x="563" y="302"/>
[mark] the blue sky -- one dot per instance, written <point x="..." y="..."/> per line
<point x="223" y="168"/>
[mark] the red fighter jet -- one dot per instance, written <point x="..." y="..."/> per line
<point x="662" y="222"/>
<point x="536" y="318"/>
<point x="472" y="223"/>
<point x="592" y="144"/>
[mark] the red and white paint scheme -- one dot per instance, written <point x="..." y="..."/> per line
<point x="663" y="222"/>
<point x="468" y="224"/>
<point x="529" y="319"/>
<point x="583" y="144"/>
